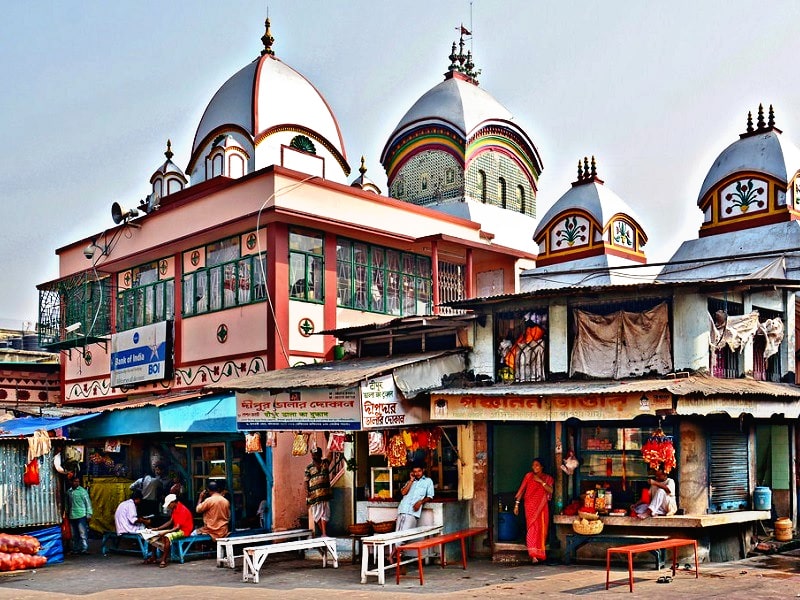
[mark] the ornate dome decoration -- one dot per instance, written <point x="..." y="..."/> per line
<point x="168" y="178"/>
<point x="364" y="182"/>
<point x="588" y="221"/>
<point x="264" y="107"/>
<point x="457" y="142"/>
<point x="227" y="158"/>
<point x="753" y="182"/>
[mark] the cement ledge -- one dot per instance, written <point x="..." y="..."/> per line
<point x="741" y="516"/>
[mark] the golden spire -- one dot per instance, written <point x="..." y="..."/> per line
<point x="168" y="153"/>
<point x="267" y="40"/>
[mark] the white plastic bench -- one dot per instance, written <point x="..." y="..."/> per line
<point x="255" y="556"/>
<point x="382" y="542"/>
<point x="226" y="547"/>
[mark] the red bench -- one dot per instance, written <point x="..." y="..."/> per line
<point x="632" y="549"/>
<point x="438" y="540"/>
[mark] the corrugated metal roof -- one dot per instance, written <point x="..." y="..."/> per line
<point x="338" y="373"/>
<point x="154" y="400"/>
<point x="692" y="385"/>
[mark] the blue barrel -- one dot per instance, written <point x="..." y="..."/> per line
<point x="506" y="527"/>
<point x="762" y="498"/>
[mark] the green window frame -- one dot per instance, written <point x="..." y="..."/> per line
<point x="148" y="300"/>
<point x="382" y="280"/>
<point x="306" y="266"/>
<point x="226" y="285"/>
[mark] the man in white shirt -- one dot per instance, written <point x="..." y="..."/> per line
<point x="126" y="518"/>
<point x="662" y="497"/>
<point x="416" y="492"/>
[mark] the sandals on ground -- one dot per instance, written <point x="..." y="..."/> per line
<point x="664" y="579"/>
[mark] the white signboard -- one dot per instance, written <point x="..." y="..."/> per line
<point x="381" y="406"/>
<point x="141" y="354"/>
<point x="307" y="409"/>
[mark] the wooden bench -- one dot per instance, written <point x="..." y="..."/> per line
<point x="438" y="540"/>
<point x="226" y="547"/>
<point x="111" y="540"/>
<point x="380" y="543"/>
<point x="576" y="541"/>
<point x="254" y="557"/>
<point x="632" y="549"/>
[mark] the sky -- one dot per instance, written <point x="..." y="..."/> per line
<point x="654" y="90"/>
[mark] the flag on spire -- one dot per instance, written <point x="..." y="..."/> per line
<point x="465" y="31"/>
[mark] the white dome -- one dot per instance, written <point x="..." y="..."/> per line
<point x="267" y="97"/>
<point x="766" y="153"/>
<point x="592" y="197"/>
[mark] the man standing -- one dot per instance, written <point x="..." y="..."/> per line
<point x="416" y="492"/>
<point x="216" y="511"/>
<point x="126" y="519"/>
<point x="152" y="488"/>
<point x="180" y="525"/>
<point x="80" y="511"/>
<point x="318" y="490"/>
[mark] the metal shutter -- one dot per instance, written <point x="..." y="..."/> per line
<point x="728" y="471"/>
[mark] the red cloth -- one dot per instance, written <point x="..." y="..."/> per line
<point x="537" y="513"/>
<point x="182" y="517"/>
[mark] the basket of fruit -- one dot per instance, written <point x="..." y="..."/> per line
<point x="586" y="527"/>
<point x="588" y="514"/>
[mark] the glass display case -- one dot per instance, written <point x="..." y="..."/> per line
<point x="210" y="463"/>
<point x="382" y="484"/>
<point x="611" y="460"/>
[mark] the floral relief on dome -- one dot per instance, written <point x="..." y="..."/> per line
<point x="623" y="234"/>
<point x="572" y="231"/>
<point x="742" y="196"/>
<point x="301" y="142"/>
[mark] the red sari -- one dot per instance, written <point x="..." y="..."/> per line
<point x="537" y="513"/>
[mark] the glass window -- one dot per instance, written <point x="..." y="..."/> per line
<point x="482" y="185"/>
<point x="148" y="300"/>
<point x="503" y="199"/>
<point x="306" y="266"/>
<point x="226" y="281"/>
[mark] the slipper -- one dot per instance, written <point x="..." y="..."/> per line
<point x="664" y="579"/>
<point x="150" y="560"/>
<point x="162" y="565"/>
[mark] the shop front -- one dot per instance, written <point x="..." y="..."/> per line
<point x="595" y="438"/>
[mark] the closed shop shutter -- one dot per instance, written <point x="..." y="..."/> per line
<point x="728" y="468"/>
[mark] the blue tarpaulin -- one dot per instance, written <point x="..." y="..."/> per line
<point x="50" y="539"/>
<point x="25" y="426"/>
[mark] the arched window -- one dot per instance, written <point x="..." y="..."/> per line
<point x="521" y="198"/>
<point x="502" y="183"/>
<point x="482" y="185"/>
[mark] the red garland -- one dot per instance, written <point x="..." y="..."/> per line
<point x="658" y="449"/>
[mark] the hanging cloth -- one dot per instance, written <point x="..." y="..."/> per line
<point x="377" y="443"/>
<point x="38" y="444"/>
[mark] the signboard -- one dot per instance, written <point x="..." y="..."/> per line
<point x="381" y="406"/>
<point x="308" y="410"/>
<point x="760" y="409"/>
<point x="142" y="354"/>
<point x="605" y="407"/>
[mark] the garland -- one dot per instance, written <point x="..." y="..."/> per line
<point x="658" y="450"/>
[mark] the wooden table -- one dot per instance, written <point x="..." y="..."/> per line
<point x="632" y="549"/>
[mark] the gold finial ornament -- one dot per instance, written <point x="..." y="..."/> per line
<point x="594" y="168"/>
<point x="168" y="153"/>
<point x="760" y="121"/>
<point x="363" y="168"/>
<point x="580" y="170"/>
<point x="771" y="117"/>
<point x="586" y="166"/>
<point x="749" y="121"/>
<point x="267" y="40"/>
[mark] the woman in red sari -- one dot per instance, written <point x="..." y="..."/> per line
<point x="535" y="491"/>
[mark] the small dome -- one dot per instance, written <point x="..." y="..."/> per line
<point x="268" y="98"/>
<point x="590" y="196"/>
<point x="766" y="152"/>
<point x="168" y="178"/>
<point x="363" y="182"/>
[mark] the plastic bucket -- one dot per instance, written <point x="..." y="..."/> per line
<point x="783" y="529"/>
<point x="506" y="527"/>
<point x="762" y="498"/>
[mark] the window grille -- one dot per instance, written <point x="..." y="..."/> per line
<point x="452" y="286"/>
<point x="306" y="266"/>
<point x="725" y="363"/>
<point x="765" y="369"/>
<point x="226" y="285"/>
<point x="82" y="298"/>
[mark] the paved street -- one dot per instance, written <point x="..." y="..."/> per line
<point x="124" y="577"/>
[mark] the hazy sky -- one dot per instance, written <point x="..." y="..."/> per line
<point x="656" y="90"/>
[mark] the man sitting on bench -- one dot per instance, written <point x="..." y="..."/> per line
<point x="416" y="492"/>
<point x="126" y="519"/>
<point x="180" y="524"/>
<point x="216" y="511"/>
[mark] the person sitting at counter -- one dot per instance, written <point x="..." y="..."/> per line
<point x="662" y="497"/>
<point x="416" y="492"/>
<point x="126" y="519"/>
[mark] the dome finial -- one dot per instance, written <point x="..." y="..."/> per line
<point x="453" y="58"/>
<point x="580" y="170"/>
<point x="586" y="167"/>
<point x="267" y="40"/>
<point x="363" y="168"/>
<point x="168" y="153"/>
<point x="771" y="118"/>
<point x="749" y="121"/>
<point x="760" y="123"/>
<point x="594" y="168"/>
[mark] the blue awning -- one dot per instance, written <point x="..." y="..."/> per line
<point x="188" y="413"/>
<point x="25" y="426"/>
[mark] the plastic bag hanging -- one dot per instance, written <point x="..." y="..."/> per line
<point x="336" y="441"/>
<point x="252" y="442"/>
<point x="397" y="455"/>
<point x="377" y="443"/>
<point x="300" y="444"/>
<point x="272" y="440"/>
